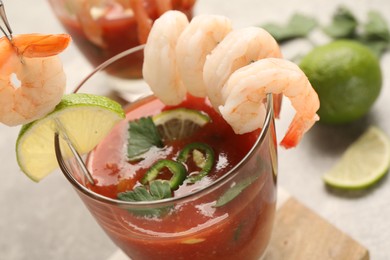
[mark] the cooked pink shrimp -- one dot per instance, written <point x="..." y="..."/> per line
<point x="239" y="48"/>
<point x="160" y="68"/>
<point x="198" y="39"/>
<point x="83" y="12"/>
<point x="144" y="22"/>
<point x="244" y="92"/>
<point x="33" y="60"/>
<point x="186" y="4"/>
<point x="163" y="6"/>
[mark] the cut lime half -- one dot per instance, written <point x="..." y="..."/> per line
<point x="179" y="123"/>
<point x="86" y="119"/>
<point x="364" y="162"/>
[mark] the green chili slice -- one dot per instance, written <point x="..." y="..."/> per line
<point x="177" y="169"/>
<point x="206" y="161"/>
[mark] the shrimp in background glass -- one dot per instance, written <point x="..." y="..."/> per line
<point x="104" y="28"/>
<point x="238" y="73"/>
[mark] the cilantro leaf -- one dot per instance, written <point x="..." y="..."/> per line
<point x="234" y="191"/>
<point x="143" y="135"/>
<point x="139" y="193"/>
<point x="158" y="190"/>
<point x="343" y="25"/>
<point x="301" y="24"/>
<point x="376" y="27"/>
<point x="298" y="26"/>
<point x="376" y="35"/>
<point x="377" y="47"/>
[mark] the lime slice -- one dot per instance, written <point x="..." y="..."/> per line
<point x="86" y="119"/>
<point x="179" y="123"/>
<point x="363" y="163"/>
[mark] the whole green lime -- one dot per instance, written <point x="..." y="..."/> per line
<point x="347" y="77"/>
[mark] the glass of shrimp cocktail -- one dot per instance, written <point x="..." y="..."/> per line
<point x="102" y="29"/>
<point x="188" y="175"/>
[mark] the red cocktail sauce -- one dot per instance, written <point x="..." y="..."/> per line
<point x="195" y="230"/>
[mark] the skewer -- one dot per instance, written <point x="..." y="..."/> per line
<point x="79" y="160"/>
<point x="7" y="31"/>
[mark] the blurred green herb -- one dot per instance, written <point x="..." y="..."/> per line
<point x="343" y="25"/>
<point x="376" y="27"/>
<point x="298" y="26"/>
<point x="374" y="33"/>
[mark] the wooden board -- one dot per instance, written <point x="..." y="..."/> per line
<point x="300" y="234"/>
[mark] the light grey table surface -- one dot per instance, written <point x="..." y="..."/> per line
<point x="48" y="221"/>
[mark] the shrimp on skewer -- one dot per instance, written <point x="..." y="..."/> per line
<point x="242" y="68"/>
<point x="183" y="56"/>
<point x="244" y="92"/>
<point x="40" y="78"/>
<point x="159" y="53"/>
<point x="199" y="38"/>
<point x="239" y="48"/>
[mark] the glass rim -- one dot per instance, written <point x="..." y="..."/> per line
<point x="157" y="203"/>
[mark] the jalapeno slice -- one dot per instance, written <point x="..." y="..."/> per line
<point x="206" y="163"/>
<point x="177" y="169"/>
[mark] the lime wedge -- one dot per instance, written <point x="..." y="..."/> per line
<point x="364" y="162"/>
<point x="86" y="119"/>
<point x="179" y="123"/>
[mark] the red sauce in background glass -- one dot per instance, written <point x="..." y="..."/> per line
<point x="119" y="33"/>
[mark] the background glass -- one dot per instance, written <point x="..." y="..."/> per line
<point x="104" y="28"/>
<point x="242" y="229"/>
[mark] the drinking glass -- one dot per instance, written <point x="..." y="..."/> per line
<point x="104" y="28"/>
<point x="240" y="205"/>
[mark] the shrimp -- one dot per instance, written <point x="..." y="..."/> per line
<point x="159" y="53"/>
<point x="200" y="37"/>
<point x="40" y="79"/>
<point x="246" y="88"/>
<point x="163" y="6"/>
<point x="144" y="22"/>
<point x="83" y="12"/>
<point x="239" y="48"/>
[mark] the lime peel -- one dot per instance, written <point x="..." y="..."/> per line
<point x="347" y="77"/>
<point x="364" y="162"/>
<point x="86" y="118"/>
<point x="180" y="123"/>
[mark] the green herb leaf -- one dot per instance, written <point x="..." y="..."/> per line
<point x="143" y="135"/>
<point x="377" y="47"/>
<point x="234" y="191"/>
<point x="298" y="26"/>
<point x="158" y="190"/>
<point x="139" y="193"/>
<point x="343" y="25"/>
<point x="376" y="28"/>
